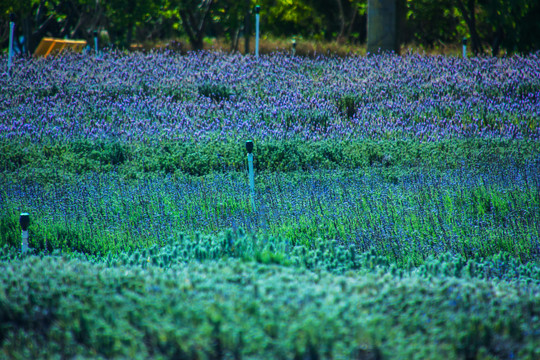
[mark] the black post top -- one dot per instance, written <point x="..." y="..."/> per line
<point x="464" y="41"/>
<point x="249" y="146"/>
<point x="95" y="33"/>
<point x="257" y="9"/>
<point x="24" y="221"/>
<point x="12" y="17"/>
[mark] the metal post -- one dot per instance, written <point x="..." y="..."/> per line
<point x="96" y="41"/>
<point x="249" y="148"/>
<point x="24" y="221"/>
<point x="257" y="10"/>
<point x="294" y="46"/>
<point x="464" y="47"/>
<point x="11" y="34"/>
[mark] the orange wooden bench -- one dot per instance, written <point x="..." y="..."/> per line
<point x="48" y="46"/>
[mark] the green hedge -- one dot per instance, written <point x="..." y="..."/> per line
<point x="46" y="161"/>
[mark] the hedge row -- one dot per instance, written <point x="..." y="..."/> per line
<point x="136" y="158"/>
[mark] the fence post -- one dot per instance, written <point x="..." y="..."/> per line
<point x="464" y="47"/>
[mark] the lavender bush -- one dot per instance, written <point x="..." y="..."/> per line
<point x="463" y="211"/>
<point x="158" y="96"/>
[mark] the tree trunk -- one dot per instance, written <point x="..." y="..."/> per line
<point x="247" y="28"/>
<point x="341" y="21"/>
<point x="189" y="29"/>
<point x="236" y="36"/>
<point x="401" y="22"/>
<point x="351" y="23"/>
<point x="468" y="13"/>
<point x="129" y="36"/>
<point x="194" y="26"/>
<point x="496" y="45"/>
<point x="27" y="32"/>
<point x="382" y="27"/>
<point x="198" y="44"/>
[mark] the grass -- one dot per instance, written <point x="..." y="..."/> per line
<point x="304" y="47"/>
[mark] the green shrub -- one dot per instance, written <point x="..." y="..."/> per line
<point x="135" y="159"/>
<point x="348" y="104"/>
<point x="215" y="92"/>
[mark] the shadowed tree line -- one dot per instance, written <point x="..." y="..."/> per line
<point x="491" y="25"/>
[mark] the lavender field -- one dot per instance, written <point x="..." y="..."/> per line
<point x="218" y="97"/>
<point x="397" y="207"/>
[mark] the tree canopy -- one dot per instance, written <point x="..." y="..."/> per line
<point x="491" y="25"/>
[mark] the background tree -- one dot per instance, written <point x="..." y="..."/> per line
<point x="528" y="31"/>
<point x="124" y="17"/>
<point x="287" y="18"/>
<point x="343" y="20"/>
<point x="468" y="10"/>
<point x="433" y="22"/>
<point x="504" y="22"/>
<point x="229" y="20"/>
<point x="499" y="25"/>
<point x="193" y="15"/>
<point x="36" y="19"/>
<point x="78" y="19"/>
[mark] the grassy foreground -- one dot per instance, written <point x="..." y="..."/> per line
<point x="238" y="297"/>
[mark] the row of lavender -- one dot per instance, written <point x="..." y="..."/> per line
<point x="463" y="211"/>
<point x="210" y="96"/>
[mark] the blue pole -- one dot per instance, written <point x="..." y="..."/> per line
<point x="96" y="42"/>
<point x="11" y="33"/>
<point x="257" y="10"/>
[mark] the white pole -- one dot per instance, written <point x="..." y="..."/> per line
<point x="257" y="10"/>
<point x="249" y="148"/>
<point x="464" y="47"/>
<point x="11" y="34"/>
<point x="24" y="221"/>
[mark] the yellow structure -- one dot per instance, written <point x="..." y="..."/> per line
<point x="48" y="46"/>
